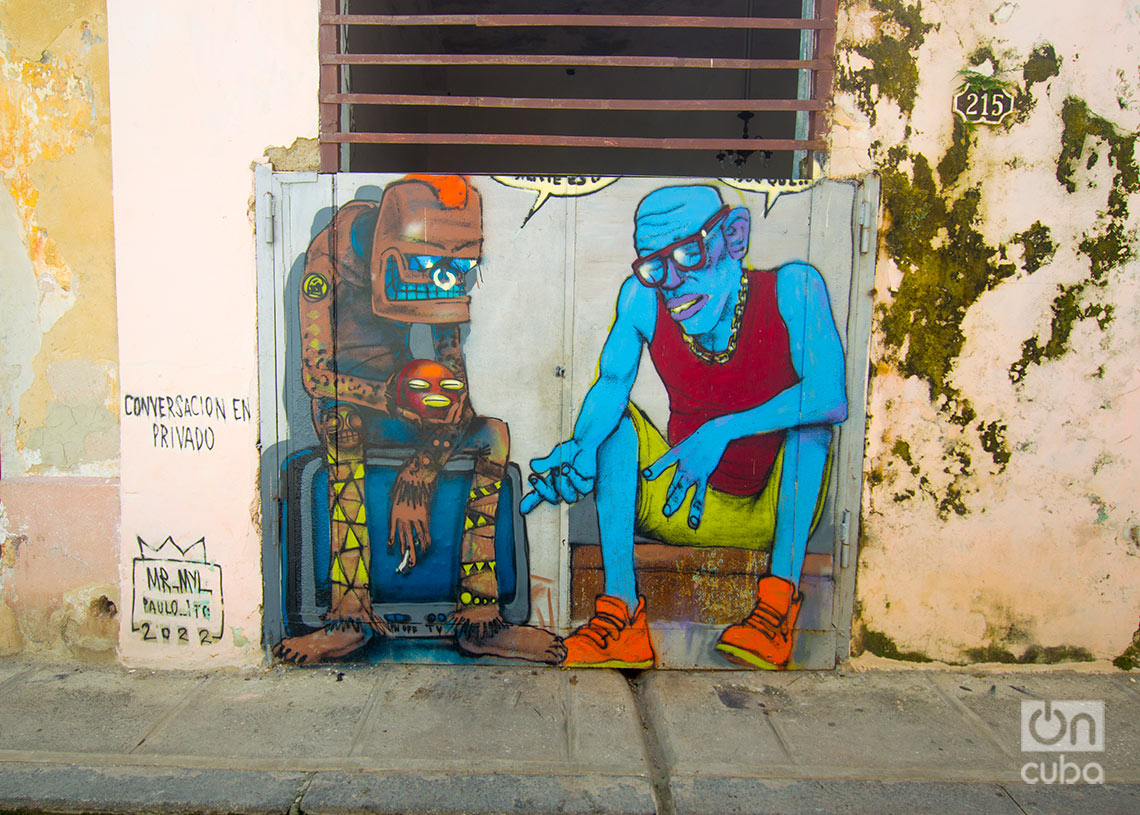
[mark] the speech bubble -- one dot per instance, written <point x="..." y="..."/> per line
<point x="562" y="186"/>
<point x="772" y="188"/>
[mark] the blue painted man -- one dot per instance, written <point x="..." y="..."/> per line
<point x="753" y="366"/>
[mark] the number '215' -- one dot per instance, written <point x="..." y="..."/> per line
<point x="977" y="105"/>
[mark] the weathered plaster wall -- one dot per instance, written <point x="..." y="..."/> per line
<point x="199" y="90"/>
<point x="58" y="361"/>
<point x="1001" y="518"/>
<point x="60" y="565"/>
<point x="59" y="433"/>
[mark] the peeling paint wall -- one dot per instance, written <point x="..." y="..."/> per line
<point x="59" y="355"/>
<point x="1001" y="519"/>
<point x="59" y="435"/>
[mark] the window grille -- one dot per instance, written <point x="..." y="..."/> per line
<point x="739" y="89"/>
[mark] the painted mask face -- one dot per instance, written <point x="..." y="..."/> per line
<point x="343" y="428"/>
<point x="429" y="390"/>
<point x="429" y="236"/>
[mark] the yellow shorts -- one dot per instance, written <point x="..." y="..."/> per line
<point x="739" y="521"/>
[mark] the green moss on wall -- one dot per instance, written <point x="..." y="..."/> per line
<point x="953" y="164"/>
<point x="1067" y="310"/>
<point x="990" y="653"/>
<point x="924" y="323"/>
<point x="901" y="450"/>
<point x="881" y="645"/>
<point x="934" y="235"/>
<point x="1053" y="654"/>
<point x="982" y="54"/>
<point x="894" y="63"/>
<point x="952" y="501"/>
<point x="1033" y="655"/>
<point x="1109" y="249"/>
<point x="947" y="264"/>
<point x="1131" y="657"/>
<point x="1042" y="64"/>
<point x="994" y="443"/>
<point x="1037" y="246"/>
<point x="1079" y="126"/>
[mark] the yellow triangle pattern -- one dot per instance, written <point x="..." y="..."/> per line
<point x="483" y="492"/>
<point x="338" y="513"/>
<point x="361" y="578"/>
<point x="360" y="515"/>
<point x="337" y="573"/>
<point x="478" y="567"/>
<point x="351" y="541"/>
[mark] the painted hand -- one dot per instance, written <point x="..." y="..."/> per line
<point x="412" y="418"/>
<point x="566" y="474"/>
<point x="408" y="522"/>
<point x="696" y="457"/>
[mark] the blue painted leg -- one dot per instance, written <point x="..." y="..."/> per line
<point x="805" y="458"/>
<point x="765" y="638"/>
<point x="616" y="493"/>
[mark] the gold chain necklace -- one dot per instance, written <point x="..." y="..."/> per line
<point x="725" y="355"/>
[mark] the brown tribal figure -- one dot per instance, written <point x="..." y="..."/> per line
<point x="372" y="274"/>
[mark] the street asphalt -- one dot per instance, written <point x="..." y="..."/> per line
<point x="491" y="739"/>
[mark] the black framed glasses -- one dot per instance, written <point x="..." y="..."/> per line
<point x="687" y="254"/>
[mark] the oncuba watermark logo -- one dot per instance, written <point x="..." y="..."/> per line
<point x="1062" y="727"/>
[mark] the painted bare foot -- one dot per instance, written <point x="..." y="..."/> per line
<point x="515" y="642"/>
<point x="329" y="642"/>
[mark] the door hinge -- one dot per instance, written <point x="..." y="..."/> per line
<point x="866" y="220"/>
<point x="845" y="540"/>
<point x="267" y="218"/>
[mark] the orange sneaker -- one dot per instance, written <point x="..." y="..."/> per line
<point x="612" y="638"/>
<point x="764" y="638"/>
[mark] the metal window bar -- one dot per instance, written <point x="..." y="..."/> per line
<point x="815" y="67"/>
<point x="800" y="165"/>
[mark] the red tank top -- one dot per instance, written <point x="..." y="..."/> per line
<point x="698" y="390"/>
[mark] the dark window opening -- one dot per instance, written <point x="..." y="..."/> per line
<point x="656" y="87"/>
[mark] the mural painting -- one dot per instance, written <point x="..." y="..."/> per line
<point x="375" y="271"/>
<point x="406" y="519"/>
<point x="753" y="367"/>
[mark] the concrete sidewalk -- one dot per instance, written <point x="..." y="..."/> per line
<point x="450" y="739"/>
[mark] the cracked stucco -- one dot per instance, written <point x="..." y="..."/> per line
<point x="1000" y="509"/>
<point x="58" y="349"/>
